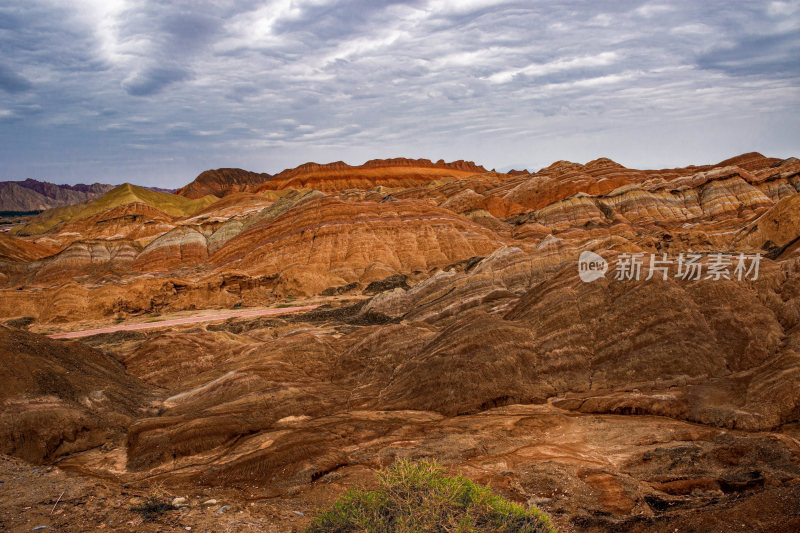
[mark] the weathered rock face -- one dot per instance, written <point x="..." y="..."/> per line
<point x="699" y="208"/>
<point x="17" y="256"/>
<point x="776" y="231"/>
<point x="232" y="206"/>
<point x="340" y="176"/>
<point x="113" y="204"/>
<point x="20" y="250"/>
<point x="708" y="196"/>
<point x="137" y="222"/>
<point x="58" y="399"/>
<point x="605" y="405"/>
<point x="331" y="177"/>
<point x="86" y="259"/>
<point x="327" y="242"/>
<point x="181" y="247"/>
<point x="221" y="182"/>
<point x="615" y="405"/>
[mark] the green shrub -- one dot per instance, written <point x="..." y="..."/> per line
<point x="416" y="497"/>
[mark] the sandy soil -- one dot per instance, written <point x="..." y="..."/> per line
<point x="29" y="498"/>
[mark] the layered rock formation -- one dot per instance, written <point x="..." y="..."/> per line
<point x="138" y="221"/>
<point x="327" y="242"/>
<point x="454" y="325"/>
<point x="304" y="249"/>
<point x="126" y="194"/>
<point x="338" y="176"/>
<point x="58" y="399"/>
<point x="21" y="251"/>
<point x="87" y="260"/>
<point x="221" y="182"/>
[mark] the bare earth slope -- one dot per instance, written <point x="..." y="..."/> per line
<point x="451" y="324"/>
<point x="59" y="399"/>
<point x="221" y="182"/>
<point x="338" y="176"/>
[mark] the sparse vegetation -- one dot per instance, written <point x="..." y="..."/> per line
<point x="419" y="496"/>
<point x="152" y="507"/>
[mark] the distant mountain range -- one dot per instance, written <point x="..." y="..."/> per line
<point x="35" y="195"/>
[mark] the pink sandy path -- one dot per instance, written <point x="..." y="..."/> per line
<point x="181" y="321"/>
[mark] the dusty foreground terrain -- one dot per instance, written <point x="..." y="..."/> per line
<point x="451" y="323"/>
<point x="282" y="422"/>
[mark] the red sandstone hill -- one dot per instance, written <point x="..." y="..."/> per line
<point x="453" y="324"/>
<point x="560" y="179"/>
<point x="397" y="172"/>
<point x="222" y="181"/>
<point x="330" y="177"/>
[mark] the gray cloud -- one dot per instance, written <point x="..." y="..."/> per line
<point x="156" y="91"/>
<point x="153" y="80"/>
<point x="770" y="55"/>
<point x="12" y="82"/>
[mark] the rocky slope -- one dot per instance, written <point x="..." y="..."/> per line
<point x="221" y="182"/>
<point x="51" y="221"/>
<point x="454" y="325"/>
<point x="330" y="177"/>
<point x="61" y="398"/>
<point x="293" y="242"/>
<point x="339" y="176"/>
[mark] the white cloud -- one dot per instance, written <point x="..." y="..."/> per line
<point x="103" y="16"/>
<point x="693" y="28"/>
<point x="559" y="65"/>
<point x="783" y="9"/>
<point x="651" y="10"/>
<point x="449" y="7"/>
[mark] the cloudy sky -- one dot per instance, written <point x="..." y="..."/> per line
<point x="154" y="92"/>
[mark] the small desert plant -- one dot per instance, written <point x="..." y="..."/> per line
<point x="153" y="506"/>
<point x="416" y="497"/>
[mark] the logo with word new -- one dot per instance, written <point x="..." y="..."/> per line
<point x="591" y="266"/>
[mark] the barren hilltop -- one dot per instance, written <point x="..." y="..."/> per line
<point x="445" y="315"/>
